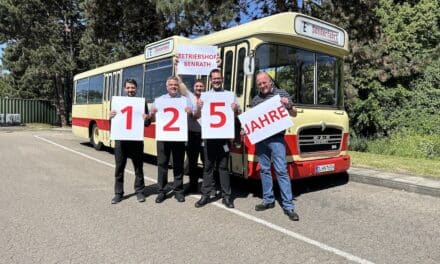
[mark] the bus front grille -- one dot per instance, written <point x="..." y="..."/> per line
<point x="316" y="139"/>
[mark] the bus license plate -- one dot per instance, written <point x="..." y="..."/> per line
<point x="325" y="168"/>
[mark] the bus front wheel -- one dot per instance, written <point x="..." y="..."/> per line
<point x="94" y="138"/>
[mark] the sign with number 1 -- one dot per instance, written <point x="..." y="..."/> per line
<point x="217" y="115"/>
<point x="128" y="123"/>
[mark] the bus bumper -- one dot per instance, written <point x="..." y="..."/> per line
<point x="304" y="169"/>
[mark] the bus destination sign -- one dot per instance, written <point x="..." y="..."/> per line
<point x="158" y="49"/>
<point x="320" y="31"/>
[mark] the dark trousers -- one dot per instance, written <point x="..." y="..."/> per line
<point x="194" y="149"/>
<point x="216" y="158"/>
<point x="133" y="150"/>
<point x="164" y="151"/>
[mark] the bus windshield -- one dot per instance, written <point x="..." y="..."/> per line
<point x="310" y="78"/>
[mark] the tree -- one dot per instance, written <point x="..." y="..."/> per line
<point x="197" y="17"/>
<point x="41" y="54"/>
<point x="6" y="90"/>
<point x="406" y="43"/>
<point x="117" y="30"/>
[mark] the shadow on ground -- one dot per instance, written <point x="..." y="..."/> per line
<point x="242" y="188"/>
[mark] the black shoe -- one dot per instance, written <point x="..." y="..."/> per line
<point x="202" y="202"/>
<point x="263" y="206"/>
<point x="179" y="197"/>
<point x="117" y="199"/>
<point x="160" y="197"/>
<point x="228" y="202"/>
<point x="292" y="215"/>
<point x="140" y="197"/>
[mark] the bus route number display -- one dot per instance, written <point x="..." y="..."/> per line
<point x="128" y="123"/>
<point x="171" y="119"/>
<point x="217" y="115"/>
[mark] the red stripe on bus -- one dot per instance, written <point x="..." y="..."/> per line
<point x="104" y="124"/>
<point x="303" y="169"/>
<point x="82" y="122"/>
<point x="291" y="145"/>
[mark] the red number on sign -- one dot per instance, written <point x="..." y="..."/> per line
<point x="168" y="127"/>
<point x="129" y="111"/>
<point x="222" y="116"/>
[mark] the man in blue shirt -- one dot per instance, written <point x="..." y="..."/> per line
<point x="273" y="149"/>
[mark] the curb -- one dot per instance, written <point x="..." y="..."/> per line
<point x="414" y="184"/>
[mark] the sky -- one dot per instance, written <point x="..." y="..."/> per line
<point x="1" y="49"/>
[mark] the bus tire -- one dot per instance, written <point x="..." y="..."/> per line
<point x="94" y="138"/>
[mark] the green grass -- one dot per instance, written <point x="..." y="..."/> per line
<point x="413" y="166"/>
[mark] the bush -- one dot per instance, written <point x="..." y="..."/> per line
<point x="405" y="143"/>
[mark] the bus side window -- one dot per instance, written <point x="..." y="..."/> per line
<point x="228" y="71"/>
<point x="117" y="84"/>
<point x="156" y="74"/>
<point x="95" y="89"/>
<point x="134" y="72"/>
<point x="113" y="86"/>
<point x="82" y="89"/>
<point x="240" y="72"/>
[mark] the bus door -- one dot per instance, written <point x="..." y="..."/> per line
<point x="112" y="88"/>
<point x="235" y="81"/>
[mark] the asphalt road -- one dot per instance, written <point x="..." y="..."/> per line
<point x="55" y="207"/>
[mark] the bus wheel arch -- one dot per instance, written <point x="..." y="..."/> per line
<point x="94" y="136"/>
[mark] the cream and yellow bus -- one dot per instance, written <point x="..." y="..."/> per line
<point x="304" y="56"/>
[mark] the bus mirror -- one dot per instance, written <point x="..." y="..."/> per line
<point x="249" y="65"/>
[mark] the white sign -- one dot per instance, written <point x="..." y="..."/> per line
<point x="158" y="49"/>
<point x="265" y="119"/>
<point x="217" y="115"/>
<point x="171" y="119"/>
<point x="128" y="123"/>
<point x="196" y="60"/>
<point x="318" y="30"/>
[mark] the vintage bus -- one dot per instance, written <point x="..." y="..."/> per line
<point x="304" y="56"/>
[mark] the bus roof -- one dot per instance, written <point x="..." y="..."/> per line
<point x="307" y="32"/>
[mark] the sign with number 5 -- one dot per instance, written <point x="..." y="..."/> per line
<point x="217" y="115"/>
<point x="128" y="123"/>
<point x="171" y="119"/>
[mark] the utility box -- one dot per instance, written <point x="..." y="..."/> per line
<point x="13" y="119"/>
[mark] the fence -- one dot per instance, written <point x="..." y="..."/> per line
<point x="29" y="110"/>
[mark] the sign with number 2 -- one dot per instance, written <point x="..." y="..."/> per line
<point x="171" y="119"/>
<point x="128" y="123"/>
